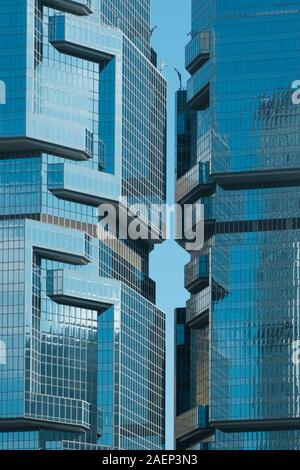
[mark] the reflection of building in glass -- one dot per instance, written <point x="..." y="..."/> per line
<point x="83" y="122"/>
<point x="249" y="299"/>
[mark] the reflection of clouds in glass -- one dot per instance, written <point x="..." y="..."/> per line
<point x="2" y="92"/>
<point x="2" y="353"/>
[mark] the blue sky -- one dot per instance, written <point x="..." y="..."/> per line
<point x="172" y="18"/>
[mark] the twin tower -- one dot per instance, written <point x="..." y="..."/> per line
<point x="83" y="123"/>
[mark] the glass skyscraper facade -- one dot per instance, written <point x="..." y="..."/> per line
<point x="82" y="122"/>
<point x="237" y="340"/>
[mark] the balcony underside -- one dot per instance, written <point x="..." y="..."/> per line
<point x="257" y="425"/>
<point x="197" y="284"/>
<point x="62" y="257"/>
<point x="200" y="101"/>
<point x="82" y="198"/>
<point x="80" y="51"/>
<point x="28" y="423"/>
<point x="194" y="437"/>
<point x="200" y="321"/>
<point x="193" y="426"/>
<point x="196" y="274"/>
<point x="258" y="179"/>
<point x="200" y="190"/>
<point x="195" y="65"/>
<point x="81" y="8"/>
<point x="27" y="144"/>
<point x="73" y="301"/>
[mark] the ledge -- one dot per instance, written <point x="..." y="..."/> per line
<point x="59" y="243"/>
<point x="78" y="184"/>
<point x="195" y="183"/>
<point x="200" y="101"/>
<point x="62" y="257"/>
<point x="26" y="423"/>
<point x="84" y="39"/>
<point x="25" y="144"/>
<point x="198" y="88"/>
<point x="193" y="425"/>
<point x="85" y="291"/>
<point x="196" y="274"/>
<point x="258" y="179"/>
<point x="257" y="425"/>
<point x="197" y="51"/>
<point x="198" y="309"/>
<point x="77" y="7"/>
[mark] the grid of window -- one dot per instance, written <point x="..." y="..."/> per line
<point x="185" y="145"/>
<point x="245" y="322"/>
<point x="144" y="124"/>
<point x="112" y="264"/>
<point x="141" y="414"/>
<point x="61" y="362"/>
<point x="13" y="66"/>
<point x="12" y="321"/>
<point x="183" y="345"/>
<point x="133" y="18"/>
<point x="20" y="185"/>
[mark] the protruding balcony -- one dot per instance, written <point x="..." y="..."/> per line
<point x="193" y="426"/>
<point x="197" y="51"/>
<point x="198" y="309"/>
<point x="198" y="89"/>
<point x="53" y="136"/>
<point x="195" y="183"/>
<point x="58" y="412"/>
<point x="76" y="7"/>
<point x="50" y="412"/>
<point x="67" y="256"/>
<point x="60" y="244"/>
<point x="72" y="37"/>
<point x="196" y="274"/>
<point x="83" y="291"/>
<point x="260" y="178"/>
<point x="78" y="184"/>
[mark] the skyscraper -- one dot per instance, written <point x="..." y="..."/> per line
<point x="82" y="122"/>
<point x="238" y="154"/>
